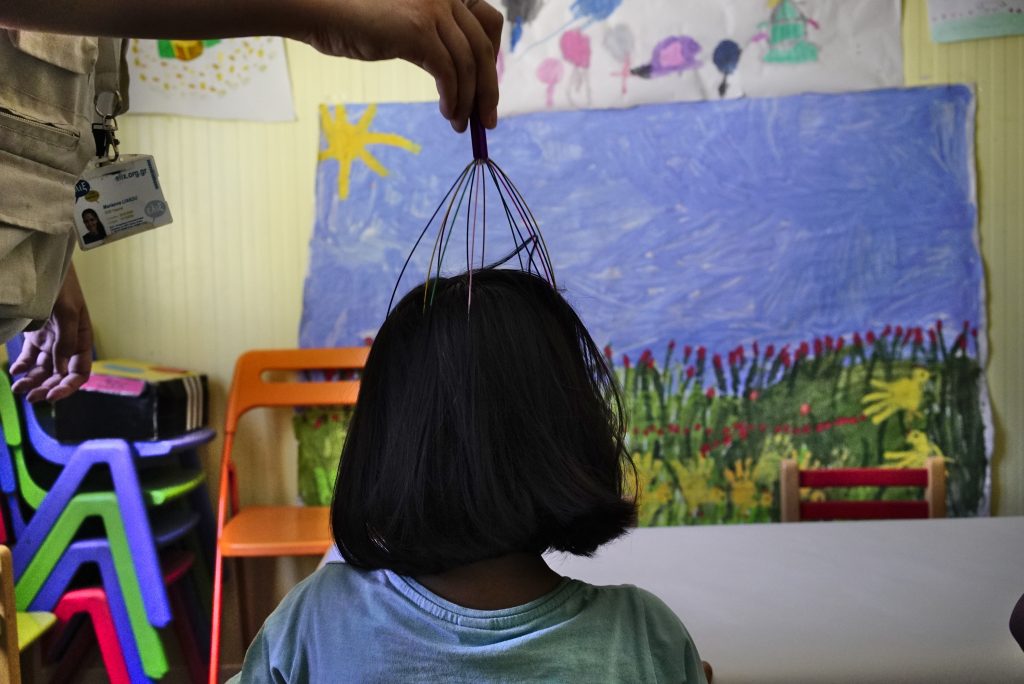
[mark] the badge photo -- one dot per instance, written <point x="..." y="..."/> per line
<point x="113" y="201"/>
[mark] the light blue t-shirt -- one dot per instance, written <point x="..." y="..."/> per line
<point x="347" y="625"/>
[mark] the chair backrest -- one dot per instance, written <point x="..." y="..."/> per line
<point x="932" y="478"/>
<point x="249" y="388"/>
<point x="10" y="662"/>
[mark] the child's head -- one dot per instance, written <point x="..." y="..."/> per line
<point x="481" y="432"/>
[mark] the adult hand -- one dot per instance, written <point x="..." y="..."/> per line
<point x="455" y="41"/>
<point x="57" y="358"/>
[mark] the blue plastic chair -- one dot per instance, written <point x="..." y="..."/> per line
<point x="146" y="454"/>
<point x="168" y="527"/>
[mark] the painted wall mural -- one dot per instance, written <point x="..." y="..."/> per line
<point x="773" y="278"/>
<point x="570" y="54"/>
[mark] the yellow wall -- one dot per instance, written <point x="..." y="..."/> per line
<point x="228" y="275"/>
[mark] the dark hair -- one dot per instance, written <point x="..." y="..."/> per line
<point x="482" y="428"/>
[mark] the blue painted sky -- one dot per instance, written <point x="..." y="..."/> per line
<point x="713" y="223"/>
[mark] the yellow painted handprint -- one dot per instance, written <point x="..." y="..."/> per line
<point x="695" y="480"/>
<point x="920" y="449"/>
<point x="742" y="489"/>
<point x="898" y="395"/>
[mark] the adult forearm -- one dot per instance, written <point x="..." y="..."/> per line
<point x="167" y="18"/>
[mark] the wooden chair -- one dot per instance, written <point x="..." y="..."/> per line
<point x="272" y="531"/>
<point x="20" y="630"/>
<point x="932" y="477"/>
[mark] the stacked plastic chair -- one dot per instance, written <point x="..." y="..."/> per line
<point x="152" y="548"/>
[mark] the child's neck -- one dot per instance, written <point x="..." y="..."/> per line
<point x="495" y="583"/>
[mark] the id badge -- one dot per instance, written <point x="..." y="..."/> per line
<point x="119" y="199"/>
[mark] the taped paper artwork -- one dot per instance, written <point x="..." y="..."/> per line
<point x="238" y="78"/>
<point x="579" y="54"/>
<point x="954" y="20"/>
<point x="774" y="278"/>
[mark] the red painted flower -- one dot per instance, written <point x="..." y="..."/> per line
<point x="938" y="325"/>
<point x="756" y="348"/>
<point x="918" y="337"/>
<point x="769" y="351"/>
<point x="828" y="342"/>
<point x="701" y="353"/>
<point x="717" y="360"/>
<point x="857" y="341"/>
<point x="871" y="337"/>
<point x="888" y="331"/>
<point x="931" y="336"/>
<point x="804" y="350"/>
<point x="687" y="350"/>
<point x="710" y="393"/>
<point x="818" y="347"/>
<point x="625" y="361"/>
<point x="608" y="352"/>
<point x="690" y="371"/>
<point x="754" y="394"/>
<point x="805" y="409"/>
<point x="671" y="346"/>
<point x="840" y="343"/>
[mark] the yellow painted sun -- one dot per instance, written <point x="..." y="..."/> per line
<point x="347" y="142"/>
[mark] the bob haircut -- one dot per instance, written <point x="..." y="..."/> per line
<point x="481" y="432"/>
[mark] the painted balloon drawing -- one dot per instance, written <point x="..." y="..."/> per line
<point x="618" y="54"/>
<point x="519" y="13"/>
<point x="726" y="58"/>
<point x="550" y="73"/>
<point x="619" y="42"/>
<point x="673" y="55"/>
<point x="576" y="50"/>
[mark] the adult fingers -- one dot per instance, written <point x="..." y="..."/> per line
<point x="465" y="70"/>
<point x="79" y="364"/>
<point x="484" y="54"/>
<point x="39" y="393"/>
<point x="25" y="359"/>
<point x="491" y="21"/>
<point x="68" y="385"/>
<point x="65" y="341"/>
<point x="35" y="377"/>
<point x="435" y="59"/>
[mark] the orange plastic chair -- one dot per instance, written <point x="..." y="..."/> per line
<point x="272" y="531"/>
<point x="932" y="477"/>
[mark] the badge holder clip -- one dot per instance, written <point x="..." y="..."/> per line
<point x="116" y="196"/>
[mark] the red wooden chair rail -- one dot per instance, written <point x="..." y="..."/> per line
<point x="932" y="478"/>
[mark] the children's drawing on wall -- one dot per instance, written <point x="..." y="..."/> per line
<point x="726" y="57"/>
<point x="576" y="51"/>
<point x="769" y="48"/>
<point x="773" y="278"/>
<point x="619" y="42"/>
<point x="243" y="78"/>
<point x="550" y="74"/>
<point x="345" y="143"/>
<point x="673" y="55"/>
<point x="786" y="34"/>
<point x="954" y="20"/>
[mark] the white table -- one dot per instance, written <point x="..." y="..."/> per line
<point x="893" y="601"/>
